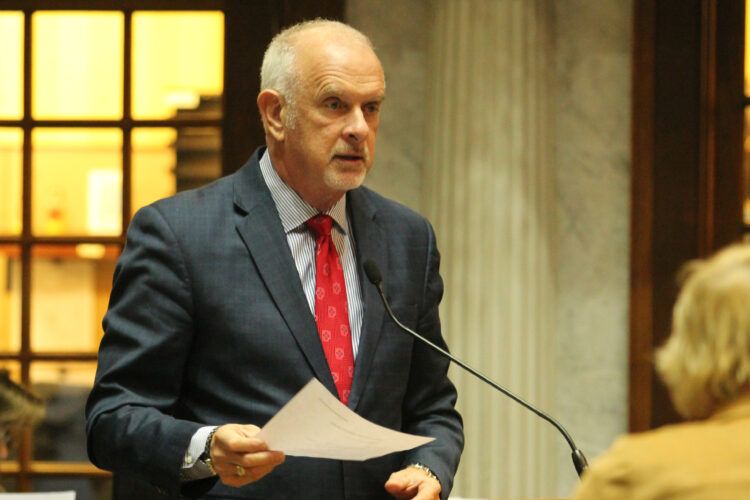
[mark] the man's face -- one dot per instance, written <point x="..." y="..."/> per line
<point x="330" y="144"/>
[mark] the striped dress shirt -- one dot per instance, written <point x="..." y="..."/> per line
<point x="294" y="212"/>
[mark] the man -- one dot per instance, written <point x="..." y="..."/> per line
<point x="225" y="299"/>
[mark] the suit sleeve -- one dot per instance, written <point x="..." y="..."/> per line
<point x="431" y="396"/>
<point x="142" y="357"/>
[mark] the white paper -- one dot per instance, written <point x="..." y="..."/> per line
<point x="316" y="424"/>
<point x="62" y="495"/>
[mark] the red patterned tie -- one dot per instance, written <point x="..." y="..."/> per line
<point x="331" y="312"/>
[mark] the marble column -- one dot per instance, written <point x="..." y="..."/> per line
<point x="508" y="124"/>
<point x="490" y="192"/>
<point x="593" y="50"/>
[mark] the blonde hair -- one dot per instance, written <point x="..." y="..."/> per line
<point x="278" y="70"/>
<point x="706" y="361"/>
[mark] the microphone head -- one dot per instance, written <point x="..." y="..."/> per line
<point x="372" y="272"/>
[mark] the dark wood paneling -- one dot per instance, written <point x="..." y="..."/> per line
<point x="642" y="206"/>
<point x="686" y="172"/>
<point x="112" y="4"/>
<point x="730" y="63"/>
<point x="294" y="11"/>
<point x="248" y="31"/>
<point x="249" y="28"/>
<point x="676" y="175"/>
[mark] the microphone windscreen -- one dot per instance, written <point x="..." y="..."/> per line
<point x="372" y="272"/>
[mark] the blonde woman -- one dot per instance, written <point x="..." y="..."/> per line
<point x="705" y="364"/>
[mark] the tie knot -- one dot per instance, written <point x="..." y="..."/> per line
<point x="320" y="224"/>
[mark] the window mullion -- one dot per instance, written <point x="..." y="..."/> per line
<point x="127" y="125"/>
<point x="24" y="448"/>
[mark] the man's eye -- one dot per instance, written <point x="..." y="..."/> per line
<point x="333" y="104"/>
<point x="372" y="108"/>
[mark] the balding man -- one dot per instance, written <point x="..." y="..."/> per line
<point x="228" y="299"/>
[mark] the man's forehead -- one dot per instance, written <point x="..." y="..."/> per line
<point x="327" y="43"/>
<point x="371" y="89"/>
<point x="336" y="68"/>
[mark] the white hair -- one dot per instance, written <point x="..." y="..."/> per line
<point x="278" y="70"/>
<point x="706" y="362"/>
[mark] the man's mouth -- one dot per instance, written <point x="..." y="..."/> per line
<point x="350" y="157"/>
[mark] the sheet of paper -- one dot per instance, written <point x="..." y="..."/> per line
<point x="314" y="423"/>
<point x="62" y="495"/>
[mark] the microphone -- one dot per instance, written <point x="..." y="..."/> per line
<point x="579" y="459"/>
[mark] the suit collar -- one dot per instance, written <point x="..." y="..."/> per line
<point x="371" y="243"/>
<point x="248" y="185"/>
<point x="260" y="228"/>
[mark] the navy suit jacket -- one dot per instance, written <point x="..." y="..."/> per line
<point x="208" y="324"/>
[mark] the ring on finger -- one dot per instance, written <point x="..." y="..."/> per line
<point x="240" y="470"/>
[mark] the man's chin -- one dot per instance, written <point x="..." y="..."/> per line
<point x="346" y="180"/>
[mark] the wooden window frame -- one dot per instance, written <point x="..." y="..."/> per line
<point x="249" y="26"/>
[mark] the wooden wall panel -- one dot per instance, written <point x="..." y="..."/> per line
<point x="686" y="189"/>
<point x="250" y="25"/>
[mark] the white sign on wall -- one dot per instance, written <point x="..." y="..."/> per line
<point x="104" y="197"/>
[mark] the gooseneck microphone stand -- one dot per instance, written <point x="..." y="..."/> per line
<point x="579" y="459"/>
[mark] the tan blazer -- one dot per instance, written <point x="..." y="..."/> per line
<point x="689" y="461"/>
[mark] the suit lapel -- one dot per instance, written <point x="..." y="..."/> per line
<point x="261" y="230"/>
<point x="371" y="243"/>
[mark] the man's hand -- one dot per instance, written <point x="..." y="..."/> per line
<point x="238" y="457"/>
<point x="412" y="483"/>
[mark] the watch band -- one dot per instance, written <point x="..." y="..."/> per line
<point x="424" y="469"/>
<point x="206" y="455"/>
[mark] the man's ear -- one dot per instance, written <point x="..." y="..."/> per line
<point x="270" y="104"/>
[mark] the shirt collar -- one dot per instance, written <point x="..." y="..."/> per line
<point x="292" y="209"/>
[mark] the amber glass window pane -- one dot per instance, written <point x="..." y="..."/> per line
<point x="13" y="368"/>
<point x="178" y="64"/>
<point x="11" y="65"/>
<point x="77" y="65"/>
<point x="746" y="168"/>
<point x="167" y="160"/>
<point x="11" y="168"/>
<point x="64" y="387"/>
<point x="154" y="161"/>
<point x="10" y="298"/>
<point x="747" y="48"/>
<point x="70" y="287"/>
<point x="77" y="182"/>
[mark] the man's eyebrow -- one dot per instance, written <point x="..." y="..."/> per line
<point x="333" y="91"/>
<point x="330" y="91"/>
<point x="379" y="97"/>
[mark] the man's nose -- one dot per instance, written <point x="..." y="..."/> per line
<point x="356" y="129"/>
